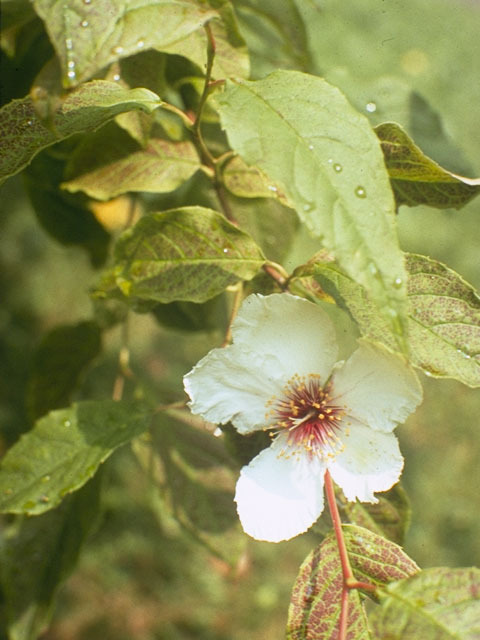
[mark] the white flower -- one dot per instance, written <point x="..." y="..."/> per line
<point x="280" y="373"/>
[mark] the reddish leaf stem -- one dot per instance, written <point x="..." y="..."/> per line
<point x="349" y="580"/>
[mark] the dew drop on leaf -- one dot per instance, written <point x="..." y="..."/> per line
<point x="271" y="187"/>
<point x="84" y="23"/>
<point x="69" y="44"/>
<point x="67" y="423"/>
<point x="116" y="77"/>
<point x="373" y="269"/>
<point x="371" y="107"/>
<point x="311" y="147"/>
<point x="141" y="44"/>
<point x="397" y="283"/>
<point x="87" y="1"/>
<point x="337" y="167"/>
<point x="225" y="250"/>
<point x="45" y="479"/>
<point x="44" y="499"/>
<point x="29" y="123"/>
<point x="360" y="192"/>
<point x="117" y="50"/>
<point x="308" y="206"/>
<point x="71" y="74"/>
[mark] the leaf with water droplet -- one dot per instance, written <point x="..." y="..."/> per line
<point x="271" y="131"/>
<point x="179" y="255"/>
<point x="68" y="457"/>
<point x="116" y="30"/>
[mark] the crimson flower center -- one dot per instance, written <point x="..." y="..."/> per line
<point x="307" y="417"/>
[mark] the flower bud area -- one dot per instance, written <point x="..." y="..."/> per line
<point x="306" y="419"/>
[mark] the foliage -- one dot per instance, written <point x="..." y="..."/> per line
<point x="179" y="155"/>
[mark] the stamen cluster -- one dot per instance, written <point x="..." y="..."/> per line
<point x="307" y="414"/>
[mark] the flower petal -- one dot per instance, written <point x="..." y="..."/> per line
<point x="233" y="384"/>
<point x="299" y="333"/>
<point x="279" y="497"/>
<point x="371" y="461"/>
<point x="377" y="387"/>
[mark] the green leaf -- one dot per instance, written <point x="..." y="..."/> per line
<point x="325" y="158"/>
<point x="64" y="450"/>
<point x="38" y="554"/>
<point x="84" y="109"/>
<point x="192" y="471"/>
<point x="66" y="217"/>
<point x="416" y="179"/>
<point x="109" y="163"/>
<point x="58" y="364"/>
<point x="88" y="37"/>
<point x="247" y="182"/>
<point x="389" y="517"/>
<point x="315" y="603"/>
<point x="190" y="253"/>
<point x="443" y="315"/>
<point x="436" y="604"/>
<point x="275" y="34"/>
<point x="231" y="53"/>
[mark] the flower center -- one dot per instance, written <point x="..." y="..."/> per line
<point x="307" y="418"/>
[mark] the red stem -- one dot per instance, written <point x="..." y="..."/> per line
<point x="349" y="580"/>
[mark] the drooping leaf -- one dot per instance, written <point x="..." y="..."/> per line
<point x="389" y="517"/>
<point x="58" y="363"/>
<point x="190" y="253"/>
<point x="315" y="603"/>
<point x="64" y="216"/>
<point x="193" y="473"/>
<point x="84" y="109"/>
<point x="435" y="604"/>
<point x="109" y="163"/>
<point x="38" y="554"/>
<point x="88" y="36"/>
<point x="417" y="179"/>
<point x="324" y="157"/>
<point x="443" y="315"/>
<point x="64" y="450"/>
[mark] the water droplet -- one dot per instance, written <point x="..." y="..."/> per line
<point x="371" y="107"/>
<point x="337" y="167"/>
<point x="397" y="283"/>
<point x="45" y="479"/>
<point x="71" y="74"/>
<point x="29" y="123"/>
<point x="373" y="270"/>
<point x="84" y="23"/>
<point x="71" y="64"/>
<point x="311" y="147"/>
<point x="67" y="423"/>
<point x="69" y="44"/>
<point x="225" y="250"/>
<point x="218" y="432"/>
<point x="427" y="373"/>
<point x="87" y="1"/>
<point x="117" y="50"/>
<point x="140" y="44"/>
<point x="272" y="188"/>
<point x="330" y="161"/>
<point x="360" y="192"/>
<point x="116" y="77"/>
<point x="308" y="206"/>
<point x="463" y="354"/>
<point x="44" y="498"/>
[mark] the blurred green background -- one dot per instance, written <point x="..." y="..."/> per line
<point x="142" y="578"/>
